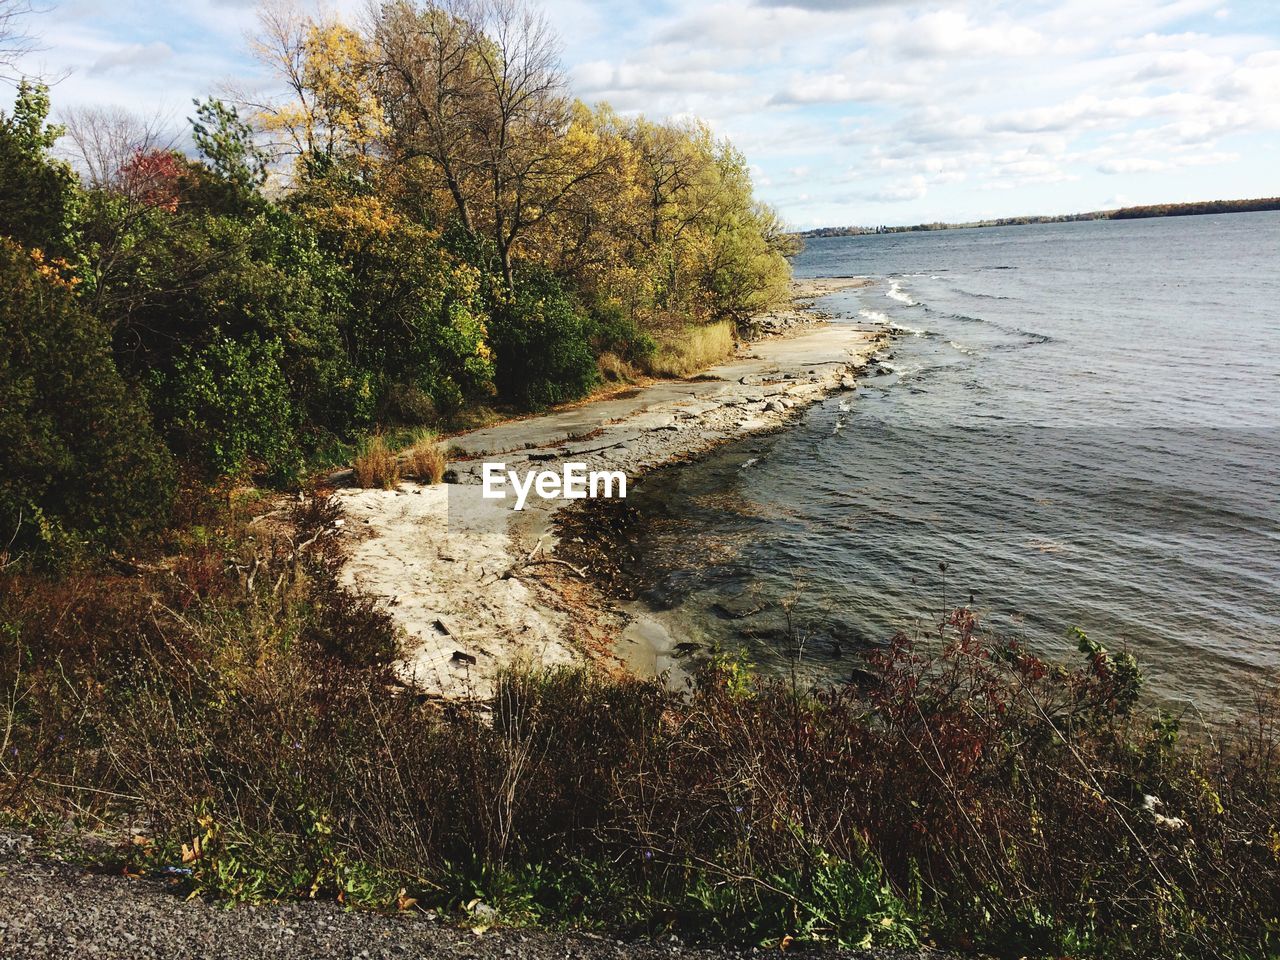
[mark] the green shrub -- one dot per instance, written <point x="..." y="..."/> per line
<point x="620" y="335"/>
<point x="82" y="465"/>
<point x="37" y="192"/>
<point x="408" y="404"/>
<point x="447" y="396"/>
<point x="227" y="407"/>
<point x="542" y="342"/>
<point x="412" y="313"/>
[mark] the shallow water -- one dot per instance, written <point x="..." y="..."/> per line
<point x="1079" y="423"/>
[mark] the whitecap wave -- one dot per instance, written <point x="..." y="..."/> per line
<point x="873" y="316"/>
<point x="903" y="328"/>
<point x="896" y="292"/>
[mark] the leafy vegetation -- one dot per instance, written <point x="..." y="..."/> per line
<point x="423" y="224"/>
<point x="963" y="793"/>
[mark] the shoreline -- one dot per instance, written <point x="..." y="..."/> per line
<point x="475" y="588"/>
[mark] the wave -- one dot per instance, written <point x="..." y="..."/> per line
<point x="1029" y="337"/>
<point x="913" y="331"/>
<point x="896" y="292"/>
<point x="961" y="347"/>
<point x="874" y="316"/>
<point x="978" y="296"/>
<point x="1032" y="340"/>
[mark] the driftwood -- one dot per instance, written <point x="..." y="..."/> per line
<point x="533" y="559"/>
<point x="563" y="563"/>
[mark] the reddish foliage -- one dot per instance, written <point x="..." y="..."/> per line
<point x="152" y="177"/>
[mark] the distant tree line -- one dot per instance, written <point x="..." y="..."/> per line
<point x="1122" y="213"/>
<point x="424" y="221"/>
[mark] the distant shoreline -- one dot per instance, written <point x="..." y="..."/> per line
<point x="1196" y="209"/>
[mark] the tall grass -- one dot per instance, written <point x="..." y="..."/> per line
<point x="376" y="465"/>
<point x="692" y="350"/>
<point x="425" y="461"/>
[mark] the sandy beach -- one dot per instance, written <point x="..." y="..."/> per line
<point x="476" y="588"/>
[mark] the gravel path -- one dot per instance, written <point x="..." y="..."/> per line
<point x="54" y="910"/>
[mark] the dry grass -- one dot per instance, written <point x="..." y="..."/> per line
<point x="376" y="466"/>
<point x="692" y="350"/>
<point x="617" y="370"/>
<point x="425" y="462"/>
<point x="976" y="793"/>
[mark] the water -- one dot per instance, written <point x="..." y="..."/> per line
<point x="1080" y="424"/>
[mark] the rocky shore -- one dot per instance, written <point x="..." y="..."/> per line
<point x="477" y="587"/>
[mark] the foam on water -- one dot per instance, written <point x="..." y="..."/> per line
<point x="895" y="292"/>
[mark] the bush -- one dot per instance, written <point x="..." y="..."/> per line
<point x="425" y="462"/>
<point x="408" y="405"/>
<point x="693" y="350"/>
<point x="413" y="314"/>
<point x="542" y="344"/>
<point x="227" y="407"/>
<point x="82" y="464"/>
<point x="620" y="335"/>
<point x="355" y="630"/>
<point x="613" y="367"/>
<point x="974" y="794"/>
<point x="376" y="465"/>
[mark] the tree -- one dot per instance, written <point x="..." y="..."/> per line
<point x="476" y="88"/>
<point x="331" y="109"/>
<point x="82" y="463"/>
<point x="37" y="191"/>
<point x="428" y="82"/>
<point x="227" y="143"/>
<point x="13" y="41"/>
<point x="105" y="139"/>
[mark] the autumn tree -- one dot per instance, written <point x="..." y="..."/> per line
<point x="329" y="109"/>
<point x="476" y="89"/>
<point x="102" y="141"/>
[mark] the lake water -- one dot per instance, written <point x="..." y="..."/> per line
<point x="1080" y="423"/>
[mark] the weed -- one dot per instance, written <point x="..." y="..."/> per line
<point x="376" y="465"/>
<point x="692" y="349"/>
<point x="425" y="462"/>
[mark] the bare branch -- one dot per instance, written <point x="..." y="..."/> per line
<point x="102" y="141"/>
<point x="15" y="42"/>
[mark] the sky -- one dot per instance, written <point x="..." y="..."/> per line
<point x="849" y="111"/>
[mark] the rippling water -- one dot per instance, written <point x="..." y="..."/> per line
<point x="1080" y="423"/>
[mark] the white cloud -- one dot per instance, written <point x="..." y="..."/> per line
<point x="951" y="33"/>
<point x="133" y="57"/>
<point x="837" y="88"/>
<point x="914" y="188"/>
<point x="1147" y="164"/>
